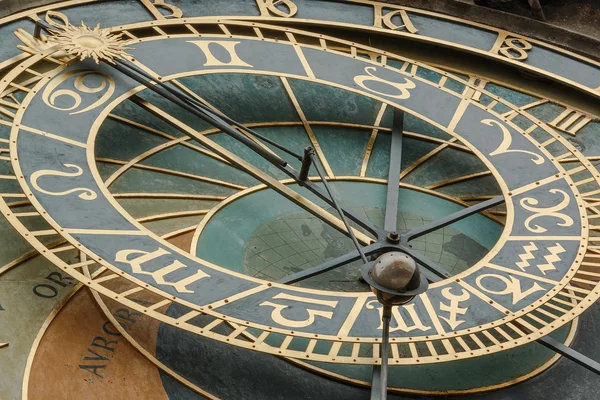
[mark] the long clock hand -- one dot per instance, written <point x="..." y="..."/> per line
<point x="311" y="155"/>
<point x="393" y="185"/>
<point x="173" y="94"/>
<point x="450" y="219"/>
<point x="258" y="174"/>
<point x="218" y="122"/>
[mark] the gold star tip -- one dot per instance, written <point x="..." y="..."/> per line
<point x="85" y="42"/>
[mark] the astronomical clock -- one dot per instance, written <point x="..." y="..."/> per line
<point x="164" y="237"/>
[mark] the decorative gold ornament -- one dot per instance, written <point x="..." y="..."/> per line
<point x="33" y="45"/>
<point x="84" y="42"/>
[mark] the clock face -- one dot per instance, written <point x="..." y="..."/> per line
<point x="188" y="239"/>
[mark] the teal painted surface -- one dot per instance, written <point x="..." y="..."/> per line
<point x="232" y="227"/>
<point x="246" y="98"/>
<point x="344" y="148"/>
<point x="10" y="41"/>
<point x="189" y="161"/>
<point x="512" y="96"/>
<point x="121" y="141"/>
<point x="137" y="180"/>
<point x="448" y="164"/>
<point x="325" y="103"/>
<point x="118" y="13"/>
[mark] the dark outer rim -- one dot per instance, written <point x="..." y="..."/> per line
<point x="559" y="36"/>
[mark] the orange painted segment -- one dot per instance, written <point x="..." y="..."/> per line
<point x="82" y="356"/>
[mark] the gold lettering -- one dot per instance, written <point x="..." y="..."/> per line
<point x="86" y="194"/>
<point x="512" y="286"/>
<point x="269" y="7"/>
<point x="277" y="316"/>
<point x="400" y="323"/>
<point x="361" y="80"/>
<point x="386" y="20"/>
<point x="211" y="59"/>
<point x="159" y="275"/>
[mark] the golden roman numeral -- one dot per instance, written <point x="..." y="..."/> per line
<point x="213" y="61"/>
<point x="570" y="121"/>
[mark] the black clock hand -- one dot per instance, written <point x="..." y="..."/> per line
<point x="221" y="121"/>
<point x="352" y="256"/>
<point x="450" y="219"/>
<point x="393" y="185"/>
<point x="199" y="109"/>
<point x="311" y="154"/>
<point x="255" y="172"/>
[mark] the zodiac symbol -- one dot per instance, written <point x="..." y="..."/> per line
<point x="269" y="7"/>
<point x="402" y="87"/>
<point x="400" y="323"/>
<point x="312" y="314"/>
<point x="512" y="45"/>
<point x="528" y="203"/>
<point x="87" y="194"/>
<point x="159" y="275"/>
<point x="550" y="258"/>
<point x="387" y="19"/>
<point x="513" y="286"/>
<point x="50" y="95"/>
<point x="453" y="309"/>
<point x="507" y="141"/>
<point x="528" y="255"/>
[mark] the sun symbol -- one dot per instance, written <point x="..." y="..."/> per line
<point x="84" y="42"/>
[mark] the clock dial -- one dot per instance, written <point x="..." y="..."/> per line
<point x="181" y="230"/>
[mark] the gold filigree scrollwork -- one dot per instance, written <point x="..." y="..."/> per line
<point x="278" y="317"/>
<point x="269" y="8"/>
<point x="401" y="324"/>
<point x="403" y="88"/>
<point x="387" y="20"/>
<point x="507" y="141"/>
<point x="159" y="276"/>
<point x="86" y="194"/>
<point x="512" y="287"/>
<point x="529" y="204"/>
<point x="454" y="308"/>
<point x="51" y="93"/>
<point x="174" y="10"/>
<point x="515" y="48"/>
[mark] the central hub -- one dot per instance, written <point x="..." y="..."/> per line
<point x="269" y="238"/>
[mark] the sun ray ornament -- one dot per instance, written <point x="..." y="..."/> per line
<point x="85" y="42"/>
